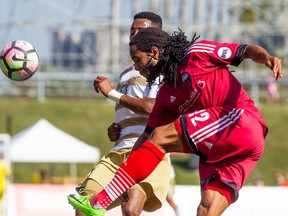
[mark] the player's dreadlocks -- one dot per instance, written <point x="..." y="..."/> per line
<point x="155" y="18"/>
<point x="172" y="51"/>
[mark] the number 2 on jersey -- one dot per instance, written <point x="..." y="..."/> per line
<point x="202" y="117"/>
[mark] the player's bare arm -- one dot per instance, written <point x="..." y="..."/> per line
<point x="141" y="106"/>
<point x="260" y="55"/>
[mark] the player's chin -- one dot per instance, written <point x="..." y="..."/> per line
<point x="144" y="73"/>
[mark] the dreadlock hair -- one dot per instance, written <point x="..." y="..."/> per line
<point x="155" y="18"/>
<point x="172" y="51"/>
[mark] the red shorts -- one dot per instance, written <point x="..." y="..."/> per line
<point x="229" y="142"/>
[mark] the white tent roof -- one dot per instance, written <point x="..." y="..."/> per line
<point x="43" y="142"/>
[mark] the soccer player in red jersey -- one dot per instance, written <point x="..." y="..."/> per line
<point x="201" y="108"/>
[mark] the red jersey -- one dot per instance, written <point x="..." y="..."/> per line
<point x="204" y="81"/>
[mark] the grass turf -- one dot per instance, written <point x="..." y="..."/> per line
<point x="88" y="120"/>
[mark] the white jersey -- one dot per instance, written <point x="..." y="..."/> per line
<point x="132" y="83"/>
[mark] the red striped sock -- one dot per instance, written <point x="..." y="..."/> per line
<point x="101" y="199"/>
<point x="137" y="167"/>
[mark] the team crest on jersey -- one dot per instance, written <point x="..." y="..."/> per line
<point x="123" y="88"/>
<point x="186" y="79"/>
<point x="224" y="52"/>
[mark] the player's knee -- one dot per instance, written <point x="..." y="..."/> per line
<point x="202" y="209"/>
<point x="212" y="206"/>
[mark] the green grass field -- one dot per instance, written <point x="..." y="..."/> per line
<point x="88" y="120"/>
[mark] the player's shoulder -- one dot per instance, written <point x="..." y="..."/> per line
<point x="204" y="43"/>
<point x="129" y="70"/>
<point x="163" y="86"/>
<point x="201" y="46"/>
<point x="201" y="49"/>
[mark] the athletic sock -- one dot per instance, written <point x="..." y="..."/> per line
<point x="136" y="168"/>
<point x="101" y="200"/>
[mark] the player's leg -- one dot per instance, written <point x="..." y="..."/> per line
<point x="216" y="195"/>
<point x="138" y="166"/>
<point x="166" y="138"/>
<point x="149" y="194"/>
<point x="141" y="162"/>
<point x="134" y="204"/>
<point x="101" y="175"/>
<point x="212" y="203"/>
<point x="89" y="186"/>
<point x="221" y="181"/>
<point x="226" y="155"/>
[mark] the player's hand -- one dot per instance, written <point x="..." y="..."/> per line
<point x="103" y="85"/>
<point x="113" y="132"/>
<point x="275" y="64"/>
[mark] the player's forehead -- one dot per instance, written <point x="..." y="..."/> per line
<point x="136" y="53"/>
<point x="142" y="23"/>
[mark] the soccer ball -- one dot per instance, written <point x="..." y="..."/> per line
<point x="19" y="60"/>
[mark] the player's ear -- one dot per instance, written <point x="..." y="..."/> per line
<point x="155" y="52"/>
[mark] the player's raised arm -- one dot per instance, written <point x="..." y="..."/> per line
<point x="141" y="106"/>
<point x="260" y="55"/>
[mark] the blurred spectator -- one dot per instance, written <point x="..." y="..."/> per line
<point x="272" y="90"/>
<point x="39" y="177"/>
<point x="258" y="181"/>
<point x="281" y="179"/>
<point x="193" y="162"/>
<point x="4" y="173"/>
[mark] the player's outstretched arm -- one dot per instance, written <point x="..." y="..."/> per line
<point x="142" y="106"/>
<point x="260" y="55"/>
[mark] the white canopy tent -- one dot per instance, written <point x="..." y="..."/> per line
<point x="45" y="143"/>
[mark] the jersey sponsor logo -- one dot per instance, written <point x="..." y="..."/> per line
<point x="123" y="88"/>
<point x="192" y="99"/>
<point x="224" y="52"/>
<point x="190" y="102"/>
<point x="201" y="84"/>
<point x="186" y="79"/>
<point x="172" y="99"/>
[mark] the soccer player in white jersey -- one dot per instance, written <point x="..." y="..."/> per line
<point x="134" y="99"/>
